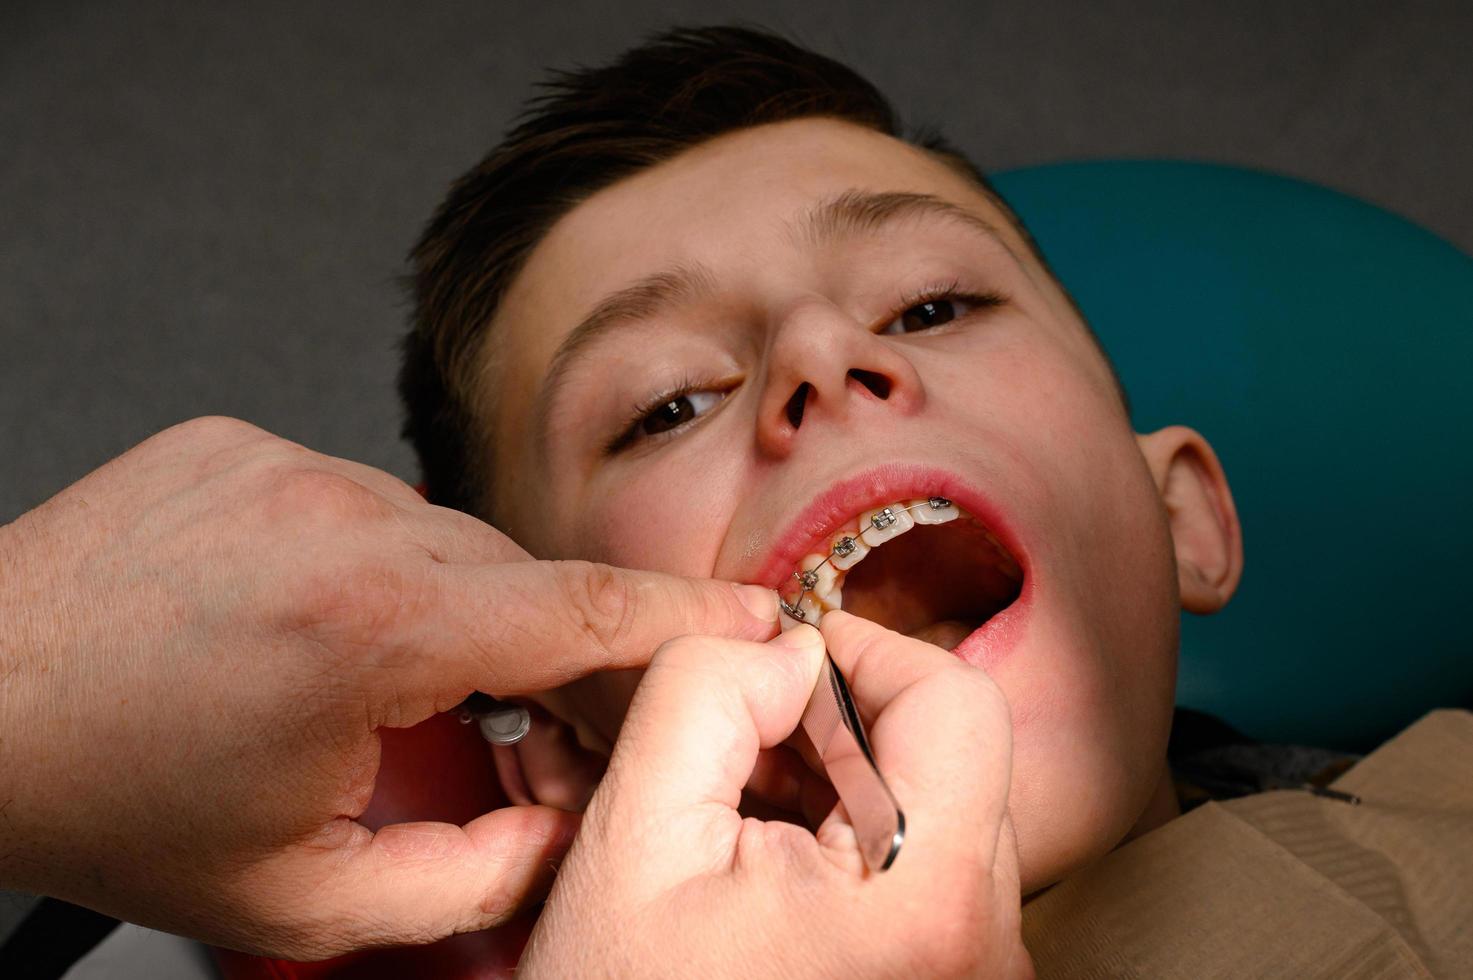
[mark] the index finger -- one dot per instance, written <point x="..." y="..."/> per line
<point x="940" y="732"/>
<point x="524" y="627"/>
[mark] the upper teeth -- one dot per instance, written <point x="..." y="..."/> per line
<point x="938" y="510"/>
<point x="821" y="576"/>
<point x="880" y="525"/>
<point x="847" y="551"/>
<point x="818" y="576"/>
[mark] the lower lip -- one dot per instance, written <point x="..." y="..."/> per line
<point x="991" y="643"/>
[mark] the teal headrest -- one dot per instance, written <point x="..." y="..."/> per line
<point x="1324" y="347"/>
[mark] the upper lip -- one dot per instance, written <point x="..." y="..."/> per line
<point x="811" y="529"/>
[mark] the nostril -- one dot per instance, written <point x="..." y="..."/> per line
<point x="876" y="384"/>
<point x="796" y="403"/>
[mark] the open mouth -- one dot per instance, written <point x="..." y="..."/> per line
<point x="925" y="568"/>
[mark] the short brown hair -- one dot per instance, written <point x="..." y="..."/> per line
<point x="587" y="130"/>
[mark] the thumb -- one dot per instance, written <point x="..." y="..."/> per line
<point x="523" y="627"/>
<point x="413" y="883"/>
<point x="667" y="809"/>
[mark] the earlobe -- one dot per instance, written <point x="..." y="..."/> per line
<point x="1199" y="508"/>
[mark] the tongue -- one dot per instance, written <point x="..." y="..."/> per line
<point x="946" y="634"/>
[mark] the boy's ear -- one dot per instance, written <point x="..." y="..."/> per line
<point x="1203" y="520"/>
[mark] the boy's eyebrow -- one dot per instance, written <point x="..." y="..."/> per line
<point x="848" y="213"/>
<point x="642" y="299"/>
<point x="861" y="212"/>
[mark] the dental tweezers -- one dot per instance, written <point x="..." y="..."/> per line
<point x="832" y="724"/>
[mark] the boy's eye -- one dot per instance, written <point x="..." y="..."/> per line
<point x="923" y="316"/>
<point x="678" y="411"/>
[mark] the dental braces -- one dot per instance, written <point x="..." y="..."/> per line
<point x="843" y="547"/>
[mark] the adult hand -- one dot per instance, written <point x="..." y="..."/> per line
<point x="198" y="645"/>
<point x="667" y="879"/>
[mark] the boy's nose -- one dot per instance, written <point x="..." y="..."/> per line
<point x="821" y="364"/>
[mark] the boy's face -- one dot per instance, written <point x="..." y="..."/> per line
<point x="1006" y="407"/>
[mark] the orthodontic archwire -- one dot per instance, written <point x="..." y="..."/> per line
<point x="845" y="546"/>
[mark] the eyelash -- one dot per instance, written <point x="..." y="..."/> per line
<point x="629" y="431"/>
<point x="949" y="290"/>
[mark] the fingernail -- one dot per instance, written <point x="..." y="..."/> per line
<point x="760" y="602"/>
<point x="797" y="638"/>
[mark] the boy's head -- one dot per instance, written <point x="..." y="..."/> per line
<point x="705" y="306"/>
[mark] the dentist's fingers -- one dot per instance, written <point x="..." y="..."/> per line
<point x="941" y="734"/>
<point x="527" y="626"/>
<point x="548" y="766"/>
<point x="415" y="882"/>
<point x="783" y="779"/>
<point x="453" y="537"/>
<point x="666" y="875"/>
<point x="668" y="805"/>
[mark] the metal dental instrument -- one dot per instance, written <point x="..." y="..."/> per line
<point x="500" y="722"/>
<point x="830" y="720"/>
<point x="832" y="724"/>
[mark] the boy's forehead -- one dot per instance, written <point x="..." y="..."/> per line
<point x="720" y="205"/>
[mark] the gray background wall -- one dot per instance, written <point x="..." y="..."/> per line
<point x="204" y="207"/>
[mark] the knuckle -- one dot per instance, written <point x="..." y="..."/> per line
<point x="978" y="698"/>
<point x="296" y="493"/>
<point x="211" y="443"/>
<point x="710" y="669"/>
<point x="871" y="646"/>
<point x="601" y="601"/>
<point x="213" y="429"/>
<point x="708" y="663"/>
<point x="859" y="650"/>
<point x="496" y="905"/>
<point x="684" y="651"/>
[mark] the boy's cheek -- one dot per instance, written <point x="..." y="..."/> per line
<point x="1090" y="709"/>
<point x="1079" y="780"/>
<point x="668" y="516"/>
